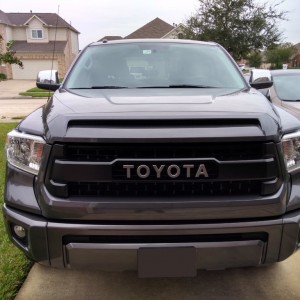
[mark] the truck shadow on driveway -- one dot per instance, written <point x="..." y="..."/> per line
<point x="278" y="281"/>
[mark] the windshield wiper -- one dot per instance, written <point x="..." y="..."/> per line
<point x="146" y="87"/>
<point x="99" y="87"/>
<point x="153" y="87"/>
<point x="177" y="86"/>
<point x="96" y="87"/>
<point x="190" y="86"/>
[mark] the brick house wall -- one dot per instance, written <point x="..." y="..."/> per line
<point x="295" y="63"/>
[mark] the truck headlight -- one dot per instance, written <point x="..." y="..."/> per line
<point x="291" y="150"/>
<point x="24" y="151"/>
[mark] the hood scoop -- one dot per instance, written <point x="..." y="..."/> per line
<point x="171" y="123"/>
<point x="184" y="130"/>
<point x="163" y="100"/>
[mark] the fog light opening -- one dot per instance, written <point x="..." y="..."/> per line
<point x="19" y="231"/>
<point x="19" y="234"/>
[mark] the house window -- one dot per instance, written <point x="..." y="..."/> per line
<point x="37" y="33"/>
<point x="180" y="35"/>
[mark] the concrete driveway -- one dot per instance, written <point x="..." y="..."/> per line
<point x="277" y="282"/>
<point x="12" y="105"/>
<point x="12" y="88"/>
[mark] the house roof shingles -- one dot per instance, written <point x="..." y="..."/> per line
<point x="23" y="46"/>
<point x="4" y="18"/>
<point x="111" y="38"/>
<point x="19" y="19"/>
<point x="157" y="28"/>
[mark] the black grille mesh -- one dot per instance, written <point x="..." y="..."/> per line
<point x="220" y="151"/>
<point x="165" y="189"/>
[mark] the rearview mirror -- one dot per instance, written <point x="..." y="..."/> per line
<point x="48" y="80"/>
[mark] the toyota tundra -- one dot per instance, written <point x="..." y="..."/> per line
<point x="177" y="167"/>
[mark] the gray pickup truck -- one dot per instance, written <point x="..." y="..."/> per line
<point x="155" y="156"/>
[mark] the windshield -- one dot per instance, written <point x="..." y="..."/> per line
<point x="287" y="87"/>
<point x="150" y="65"/>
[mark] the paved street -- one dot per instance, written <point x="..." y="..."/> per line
<point x="276" y="282"/>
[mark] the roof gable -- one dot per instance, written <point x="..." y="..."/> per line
<point x="178" y="29"/>
<point x="21" y="19"/>
<point x="34" y="17"/>
<point x="157" y="28"/>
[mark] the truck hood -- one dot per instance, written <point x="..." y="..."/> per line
<point x="147" y="101"/>
<point x="69" y="112"/>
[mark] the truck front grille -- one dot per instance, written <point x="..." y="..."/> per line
<point x="234" y="169"/>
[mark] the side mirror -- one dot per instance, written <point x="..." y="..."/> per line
<point x="48" y="80"/>
<point x="263" y="84"/>
<point x="260" y="79"/>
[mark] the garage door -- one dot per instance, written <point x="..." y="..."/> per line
<point x="31" y="68"/>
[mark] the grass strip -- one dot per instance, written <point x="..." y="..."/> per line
<point x="14" y="266"/>
<point x="36" y="89"/>
<point x="18" y="117"/>
<point x="36" y="94"/>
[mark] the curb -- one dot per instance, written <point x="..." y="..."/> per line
<point x="9" y="120"/>
<point x="22" y="98"/>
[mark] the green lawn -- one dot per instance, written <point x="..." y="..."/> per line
<point x="36" y="92"/>
<point x="14" y="266"/>
<point x="36" y="89"/>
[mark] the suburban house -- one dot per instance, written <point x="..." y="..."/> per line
<point x="41" y="40"/>
<point x="295" y="60"/>
<point x="156" y="28"/>
<point x="159" y="29"/>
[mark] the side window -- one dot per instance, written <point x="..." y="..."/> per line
<point x="37" y="33"/>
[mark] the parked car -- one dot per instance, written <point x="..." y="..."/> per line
<point x="242" y="66"/>
<point x="285" y="91"/>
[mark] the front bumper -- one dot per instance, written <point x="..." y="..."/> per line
<point x="117" y="247"/>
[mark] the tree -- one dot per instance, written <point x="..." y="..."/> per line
<point x="240" y="26"/>
<point x="279" y="55"/>
<point x="8" y="57"/>
<point x="255" y="59"/>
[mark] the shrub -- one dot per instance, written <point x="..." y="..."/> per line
<point x="2" y="76"/>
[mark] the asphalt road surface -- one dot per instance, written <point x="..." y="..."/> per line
<point x="277" y="282"/>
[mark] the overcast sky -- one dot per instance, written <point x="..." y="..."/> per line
<point x="97" y="18"/>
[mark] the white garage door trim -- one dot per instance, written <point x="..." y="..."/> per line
<point x="31" y="68"/>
